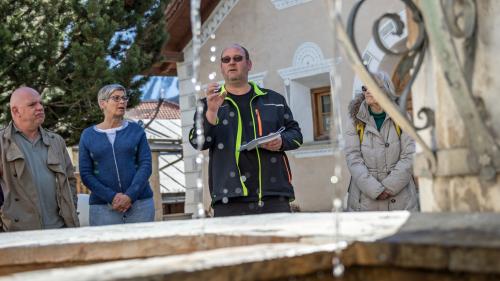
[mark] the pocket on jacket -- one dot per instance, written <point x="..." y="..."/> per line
<point x="367" y="204"/>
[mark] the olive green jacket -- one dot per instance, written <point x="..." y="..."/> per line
<point x="21" y="209"/>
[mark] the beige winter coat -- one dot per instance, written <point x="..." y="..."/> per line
<point x="20" y="210"/>
<point x="382" y="161"/>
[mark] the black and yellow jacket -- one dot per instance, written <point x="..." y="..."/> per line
<point x="269" y="113"/>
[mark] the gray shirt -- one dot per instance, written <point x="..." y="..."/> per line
<point x="35" y="154"/>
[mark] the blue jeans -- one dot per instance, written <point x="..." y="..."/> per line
<point x="140" y="211"/>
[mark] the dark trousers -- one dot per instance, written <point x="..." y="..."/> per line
<point x="270" y="205"/>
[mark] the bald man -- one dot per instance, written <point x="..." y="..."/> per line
<point x="36" y="174"/>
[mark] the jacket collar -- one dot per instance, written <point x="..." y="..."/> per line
<point x="13" y="151"/>
<point x="363" y="113"/>
<point x="258" y="91"/>
<point x="45" y="136"/>
<point x="364" y="116"/>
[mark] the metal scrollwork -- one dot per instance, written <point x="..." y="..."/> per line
<point x="460" y="17"/>
<point x="460" y="21"/>
<point x="416" y="53"/>
<point x="428" y="114"/>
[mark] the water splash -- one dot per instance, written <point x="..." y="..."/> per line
<point x="336" y="135"/>
<point x="200" y="140"/>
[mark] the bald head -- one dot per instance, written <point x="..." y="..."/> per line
<point x="237" y="46"/>
<point x="26" y="109"/>
<point x="22" y="94"/>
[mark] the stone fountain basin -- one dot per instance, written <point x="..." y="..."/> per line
<point x="381" y="246"/>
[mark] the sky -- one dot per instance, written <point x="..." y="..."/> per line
<point x="158" y="86"/>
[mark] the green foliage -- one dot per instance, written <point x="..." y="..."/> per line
<point x="69" y="49"/>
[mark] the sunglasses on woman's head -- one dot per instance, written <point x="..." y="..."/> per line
<point x="227" y="59"/>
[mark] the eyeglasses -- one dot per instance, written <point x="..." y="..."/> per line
<point x="228" y="59"/>
<point x="118" y="98"/>
<point x="364" y="89"/>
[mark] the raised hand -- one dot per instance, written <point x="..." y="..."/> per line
<point x="214" y="101"/>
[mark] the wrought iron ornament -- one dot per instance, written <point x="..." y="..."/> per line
<point x="460" y="21"/>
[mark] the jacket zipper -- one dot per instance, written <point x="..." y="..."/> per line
<point x="238" y="144"/>
<point x="287" y="170"/>
<point x="259" y="122"/>
<point x="116" y="167"/>
<point x="257" y="148"/>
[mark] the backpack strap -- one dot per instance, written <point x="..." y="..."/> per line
<point x="398" y="129"/>
<point x="360" y="128"/>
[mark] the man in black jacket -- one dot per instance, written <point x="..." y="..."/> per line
<point x="250" y="181"/>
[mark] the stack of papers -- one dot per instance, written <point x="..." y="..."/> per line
<point x="265" y="139"/>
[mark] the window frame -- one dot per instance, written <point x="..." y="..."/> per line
<point x="320" y="133"/>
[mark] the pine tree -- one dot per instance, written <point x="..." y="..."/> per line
<point x="69" y="49"/>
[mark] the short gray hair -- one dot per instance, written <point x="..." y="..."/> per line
<point x="384" y="82"/>
<point x="106" y="91"/>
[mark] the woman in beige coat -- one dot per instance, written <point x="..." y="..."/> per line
<point x="379" y="156"/>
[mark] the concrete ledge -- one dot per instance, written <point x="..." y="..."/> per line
<point x="383" y="246"/>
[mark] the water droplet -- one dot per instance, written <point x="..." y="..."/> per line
<point x="212" y="36"/>
<point x="338" y="267"/>
<point x="211" y="76"/>
<point x="225" y="200"/>
<point x="198" y="160"/>
<point x="334" y="179"/>
<point x="232" y="174"/>
<point x="212" y="58"/>
<point x="286" y="116"/>
<point x="212" y="49"/>
<point x="193" y="80"/>
<point x="243" y="178"/>
<point x="337" y="204"/>
<point x="198" y="131"/>
<point x="273" y="179"/>
<point x="209" y="138"/>
<point x="231" y="113"/>
<point x="237" y="190"/>
<point x="225" y="122"/>
<point x="247" y="174"/>
<point x="197" y="87"/>
<point x="199" y="183"/>
<point x="224" y="191"/>
<point x="220" y="146"/>
<point x="261" y="204"/>
<point x="201" y="210"/>
<point x="273" y="160"/>
<point x="251" y="206"/>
